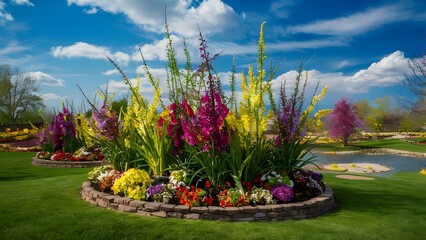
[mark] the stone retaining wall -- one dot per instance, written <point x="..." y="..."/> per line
<point x="277" y="212"/>
<point x="66" y="164"/>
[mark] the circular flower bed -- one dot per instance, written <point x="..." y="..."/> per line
<point x="313" y="207"/>
<point x="79" y="159"/>
<point x="301" y="194"/>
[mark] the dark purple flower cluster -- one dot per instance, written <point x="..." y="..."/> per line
<point x="107" y="122"/>
<point x="307" y="184"/>
<point x="154" y="189"/>
<point x="282" y="193"/>
<point x="288" y="125"/>
<point x="62" y="128"/>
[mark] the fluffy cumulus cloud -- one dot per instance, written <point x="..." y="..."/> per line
<point x="387" y="72"/>
<point x="47" y="80"/>
<point x="157" y="49"/>
<point x="86" y="50"/>
<point x="356" y="23"/>
<point x="213" y="16"/>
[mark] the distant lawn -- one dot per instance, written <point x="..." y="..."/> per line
<point x="387" y="143"/>
<point x="44" y="203"/>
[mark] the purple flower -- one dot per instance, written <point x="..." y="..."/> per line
<point x="154" y="189"/>
<point x="107" y="122"/>
<point x="315" y="176"/>
<point x="62" y="128"/>
<point x="43" y="137"/>
<point x="288" y="125"/>
<point x="283" y="193"/>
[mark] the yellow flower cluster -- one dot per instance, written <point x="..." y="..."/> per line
<point x="253" y="119"/>
<point x="133" y="183"/>
<point x="315" y="99"/>
<point x="83" y="130"/>
<point x="316" y="122"/>
<point x="139" y="111"/>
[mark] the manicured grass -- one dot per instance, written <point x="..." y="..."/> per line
<point x="44" y="203"/>
<point x="387" y="143"/>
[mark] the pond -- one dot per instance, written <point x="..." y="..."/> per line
<point x="395" y="162"/>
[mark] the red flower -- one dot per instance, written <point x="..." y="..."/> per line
<point x="207" y="184"/>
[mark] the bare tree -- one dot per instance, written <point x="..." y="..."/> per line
<point x="17" y="94"/>
<point x="415" y="81"/>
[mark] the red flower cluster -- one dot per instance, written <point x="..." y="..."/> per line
<point x="192" y="197"/>
<point x="232" y="198"/>
<point x="67" y="156"/>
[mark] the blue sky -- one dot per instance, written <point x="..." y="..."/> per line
<point x="358" y="48"/>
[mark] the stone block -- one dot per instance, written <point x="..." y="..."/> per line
<point x="259" y="215"/>
<point x="162" y="214"/>
<point x="215" y="209"/>
<point x="174" y="215"/>
<point x="264" y="208"/>
<point x="108" y="198"/>
<point x="152" y="206"/>
<point x="192" y="216"/>
<point x="182" y="209"/>
<point x="250" y="209"/>
<point x="126" y="208"/>
<point x="137" y="204"/>
<point x="167" y="207"/>
<point x="199" y="209"/>
<point x="123" y="200"/>
<point x="245" y="219"/>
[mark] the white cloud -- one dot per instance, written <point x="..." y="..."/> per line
<point x="82" y="49"/>
<point x="157" y="49"/>
<point x="23" y="2"/>
<point x="213" y="16"/>
<point x="110" y="72"/>
<point x="92" y="10"/>
<point x="52" y="97"/>
<point x="387" y="72"/>
<point x="356" y="23"/>
<point x="47" y="80"/>
<point x="4" y="16"/>
<point x="12" y="47"/>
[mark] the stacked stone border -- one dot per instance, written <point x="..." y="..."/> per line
<point x="278" y="212"/>
<point x="65" y="164"/>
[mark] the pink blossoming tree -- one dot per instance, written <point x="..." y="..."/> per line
<point x="343" y="120"/>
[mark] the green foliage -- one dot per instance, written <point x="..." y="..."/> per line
<point x="155" y="149"/>
<point x="122" y="152"/>
<point x="291" y="156"/>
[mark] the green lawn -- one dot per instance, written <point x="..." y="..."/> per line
<point x="44" y="203"/>
<point x="387" y="143"/>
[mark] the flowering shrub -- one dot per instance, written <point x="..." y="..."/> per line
<point x="261" y="196"/>
<point x="282" y="193"/>
<point x="232" y="197"/>
<point x="190" y="196"/>
<point x="307" y="184"/>
<point x="103" y="177"/>
<point x="133" y="183"/>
